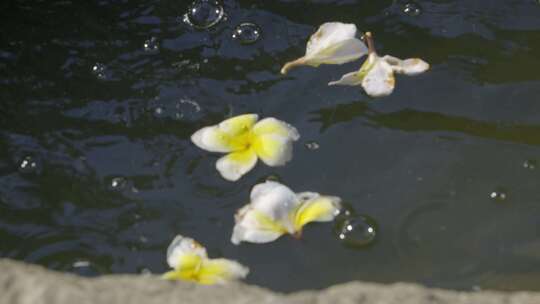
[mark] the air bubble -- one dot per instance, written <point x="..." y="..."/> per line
<point x="203" y="14"/>
<point x="118" y="183"/>
<point x="356" y="231"/>
<point x="499" y="194"/>
<point x="412" y="9"/>
<point x="312" y="145"/>
<point x="187" y="109"/>
<point x="247" y="33"/>
<point x="529" y="164"/>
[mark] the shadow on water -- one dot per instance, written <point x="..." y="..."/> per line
<point x="416" y="121"/>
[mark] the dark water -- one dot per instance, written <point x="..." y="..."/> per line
<point x="98" y="100"/>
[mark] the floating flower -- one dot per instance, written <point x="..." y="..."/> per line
<point x="275" y="210"/>
<point x="190" y="263"/>
<point x="333" y="43"/>
<point x="377" y="73"/>
<point x="246" y="140"/>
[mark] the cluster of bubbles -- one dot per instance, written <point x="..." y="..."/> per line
<point x="185" y="109"/>
<point x="412" y="9"/>
<point x="28" y="165"/>
<point x="204" y="14"/>
<point x="312" y="145"/>
<point x="499" y="194"/>
<point x="100" y="71"/>
<point x="151" y="45"/>
<point x="247" y="33"/>
<point x="529" y="164"/>
<point x="355" y="230"/>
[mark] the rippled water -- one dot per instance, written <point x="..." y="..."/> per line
<point x="98" y="100"/>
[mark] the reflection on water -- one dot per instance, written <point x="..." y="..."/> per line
<point x="98" y="101"/>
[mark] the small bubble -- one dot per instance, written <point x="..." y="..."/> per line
<point x="28" y="165"/>
<point x="118" y="183"/>
<point x="529" y="164"/>
<point x="151" y="45"/>
<point x="312" y="145"/>
<point x="412" y="9"/>
<point x="99" y="70"/>
<point x="158" y="111"/>
<point x="356" y="231"/>
<point x="499" y="194"/>
<point x="203" y="14"/>
<point x="247" y="33"/>
<point x="187" y="109"/>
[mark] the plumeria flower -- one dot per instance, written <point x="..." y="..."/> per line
<point x="376" y="75"/>
<point x="275" y="210"/>
<point x="333" y="43"/>
<point x="245" y="140"/>
<point x="190" y="263"/>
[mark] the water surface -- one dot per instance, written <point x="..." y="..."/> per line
<point x="98" y="101"/>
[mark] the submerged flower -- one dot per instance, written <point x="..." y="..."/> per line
<point x="275" y="210"/>
<point x="190" y="263"/>
<point x="246" y="140"/>
<point x="376" y="75"/>
<point x="333" y="43"/>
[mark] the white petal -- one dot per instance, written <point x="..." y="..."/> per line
<point x="329" y="34"/>
<point x="333" y="43"/>
<point x="273" y="141"/>
<point x="411" y="66"/>
<point x="211" y="139"/>
<point x="272" y="125"/>
<point x="238" y="124"/>
<point x="350" y="79"/>
<point x="342" y="52"/>
<point x="379" y="80"/>
<point x="226" y="136"/>
<point x="267" y="216"/>
<point x="181" y="246"/>
<point x="274" y="200"/>
<point x="235" y="164"/>
<point x="250" y="228"/>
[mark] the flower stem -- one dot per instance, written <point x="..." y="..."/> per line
<point x="371" y="45"/>
<point x="291" y="64"/>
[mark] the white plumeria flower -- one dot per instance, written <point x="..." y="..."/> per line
<point x="333" y="43"/>
<point x="376" y="75"/>
<point x="275" y="210"/>
<point x="245" y="140"/>
<point x="190" y="262"/>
